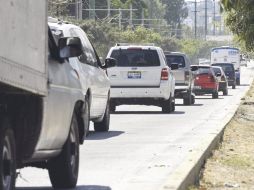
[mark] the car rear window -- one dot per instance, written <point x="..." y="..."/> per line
<point x="203" y="70"/>
<point x="178" y="59"/>
<point x="225" y="67"/>
<point x="217" y="70"/>
<point x="136" y="58"/>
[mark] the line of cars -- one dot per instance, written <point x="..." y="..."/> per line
<point x="133" y="74"/>
<point x="139" y="74"/>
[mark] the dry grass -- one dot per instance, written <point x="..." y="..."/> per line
<point x="232" y="165"/>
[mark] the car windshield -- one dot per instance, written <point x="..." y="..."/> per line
<point x="226" y="67"/>
<point x="175" y="59"/>
<point x="136" y="58"/>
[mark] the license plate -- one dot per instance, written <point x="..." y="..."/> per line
<point x="134" y="75"/>
<point x="197" y="87"/>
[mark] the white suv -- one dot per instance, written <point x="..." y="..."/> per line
<point x="92" y="74"/>
<point x="141" y="76"/>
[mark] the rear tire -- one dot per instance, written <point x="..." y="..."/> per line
<point x="63" y="169"/>
<point x="238" y="82"/>
<point x="187" y="100"/>
<point x="7" y="157"/>
<point x="233" y="87"/>
<point x="167" y="106"/>
<point x="192" y="99"/>
<point x="225" y="92"/>
<point x="103" y="125"/>
<point x="173" y="106"/>
<point x="215" y="95"/>
<point x="112" y="108"/>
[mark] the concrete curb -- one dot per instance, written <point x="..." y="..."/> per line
<point x="188" y="172"/>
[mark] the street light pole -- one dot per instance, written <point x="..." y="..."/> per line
<point x="214" y="18"/>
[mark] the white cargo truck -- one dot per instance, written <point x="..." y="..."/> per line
<point x="42" y="107"/>
<point x="226" y="54"/>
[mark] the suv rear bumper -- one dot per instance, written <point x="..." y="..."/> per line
<point x="231" y="82"/>
<point x="203" y="91"/>
<point x="160" y="92"/>
<point x="137" y="101"/>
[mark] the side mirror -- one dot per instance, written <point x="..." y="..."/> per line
<point x="69" y="47"/>
<point x="174" y="66"/>
<point x="218" y="74"/>
<point x="194" y="68"/>
<point x="110" y="62"/>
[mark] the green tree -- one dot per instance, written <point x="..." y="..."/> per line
<point x="176" y="12"/>
<point x="57" y="8"/>
<point x="240" y="20"/>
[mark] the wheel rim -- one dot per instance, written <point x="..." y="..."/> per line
<point x="7" y="158"/>
<point x="74" y="150"/>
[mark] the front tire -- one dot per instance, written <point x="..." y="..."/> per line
<point x="63" y="169"/>
<point x="103" y="125"/>
<point x="7" y="158"/>
<point x="86" y="117"/>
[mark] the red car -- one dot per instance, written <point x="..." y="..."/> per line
<point x="205" y="81"/>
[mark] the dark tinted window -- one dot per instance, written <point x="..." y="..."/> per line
<point x="225" y="67"/>
<point x="203" y="70"/>
<point x="175" y="59"/>
<point x="136" y="58"/>
<point x="216" y="70"/>
<point x="88" y="55"/>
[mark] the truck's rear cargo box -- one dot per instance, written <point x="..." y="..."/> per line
<point x="23" y="44"/>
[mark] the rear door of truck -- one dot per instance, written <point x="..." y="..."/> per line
<point x="23" y="45"/>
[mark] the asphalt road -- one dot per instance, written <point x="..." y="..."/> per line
<point x="143" y="146"/>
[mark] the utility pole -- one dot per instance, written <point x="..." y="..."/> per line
<point x="109" y="6"/>
<point x="214" y="18"/>
<point x="92" y="9"/>
<point x="131" y="11"/>
<point x="77" y="9"/>
<point x="143" y="16"/>
<point x="120" y="19"/>
<point x="205" y="18"/>
<point x="195" y="12"/>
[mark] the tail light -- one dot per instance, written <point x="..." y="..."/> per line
<point x="187" y="77"/>
<point x="212" y="78"/>
<point x="164" y="74"/>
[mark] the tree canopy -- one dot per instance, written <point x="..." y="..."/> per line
<point x="176" y="12"/>
<point x="240" y="20"/>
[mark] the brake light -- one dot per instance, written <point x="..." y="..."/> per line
<point x="187" y="77"/>
<point x="212" y="78"/>
<point x="164" y="74"/>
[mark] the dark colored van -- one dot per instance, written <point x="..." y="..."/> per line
<point x="229" y="70"/>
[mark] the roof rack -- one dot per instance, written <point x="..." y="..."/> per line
<point x="57" y="20"/>
<point x="133" y="44"/>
